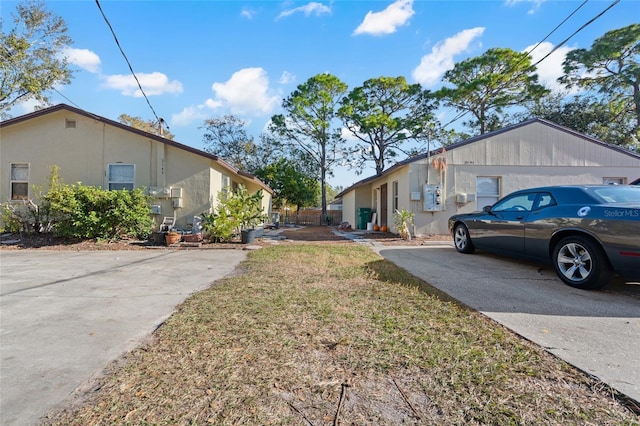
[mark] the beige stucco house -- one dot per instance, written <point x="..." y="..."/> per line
<point x="477" y="172"/>
<point x="183" y="182"/>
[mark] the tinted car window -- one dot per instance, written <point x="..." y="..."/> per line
<point x="545" y="200"/>
<point x="618" y="194"/>
<point x="522" y="202"/>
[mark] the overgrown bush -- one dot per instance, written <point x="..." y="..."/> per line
<point x="90" y="212"/>
<point x="79" y="211"/>
<point x="235" y="211"/>
<point x="12" y="221"/>
<point x="26" y="216"/>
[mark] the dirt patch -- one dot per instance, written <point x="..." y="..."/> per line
<point x="334" y="234"/>
<point x="50" y="242"/>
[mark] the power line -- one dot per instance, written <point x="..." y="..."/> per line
<point x="158" y="119"/>
<point x="577" y="31"/>
<point x="462" y="114"/>
<point x="557" y="26"/>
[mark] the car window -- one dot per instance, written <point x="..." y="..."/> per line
<point x="618" y="194"/>
<point x="545" y="200"/>
<point x="515" y="203"/>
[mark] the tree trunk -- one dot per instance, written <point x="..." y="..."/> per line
<point x="323" y="186"/>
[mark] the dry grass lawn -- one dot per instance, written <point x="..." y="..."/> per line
<point x="331" y="334"/>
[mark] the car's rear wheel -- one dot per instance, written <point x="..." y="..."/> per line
<point x="581" y="263"/>
<point x="462" y="240"/>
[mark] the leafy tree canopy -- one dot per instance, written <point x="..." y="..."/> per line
<point x="290" y="185"/>
<point x="31" y="61"/>
<point x="485" y="85"/>
<point x="611" y="68"/>
<point x="308" y="124"/>
<point x="383" y="114"/>
<point x="227" y="138"/>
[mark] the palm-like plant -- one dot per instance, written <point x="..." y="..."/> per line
<point x="403" y="218"/>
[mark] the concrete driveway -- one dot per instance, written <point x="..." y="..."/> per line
<point x="596" y="331"/>
<point x="65" y="315"/>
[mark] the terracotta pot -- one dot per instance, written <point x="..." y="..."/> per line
<point x="172" y="238"/>
<point x="192" y="238"/>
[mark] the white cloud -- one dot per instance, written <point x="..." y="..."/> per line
<point x="348" y="135"/>
<point x="550" y="69"/>
<point x="155" y="83"/>
<point x="314" y="8"/>
<point x="195" y="113"/>
<point x="287" y="78"/>
<point x="188" y="115"/>
<point x="534" y="8"/>
<point x="248" y="12"/>
<point x="395" y="15"/>
<point x="28" y="106"/>
<point x="247" y="92"/>
<point x="436" y="63"/>
<point x="83" y="58"/>
<point x="213" y="104"/>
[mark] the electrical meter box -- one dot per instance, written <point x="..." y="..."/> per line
<point x="432" y="197"/>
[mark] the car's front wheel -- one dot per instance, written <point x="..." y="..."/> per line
<point x="462" y="240"/>
<point x="581" y="263"/>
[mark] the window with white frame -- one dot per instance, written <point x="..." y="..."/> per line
<point x="614" y="180"/>
<point x="394" y="192"/>
<point x="487" y="191"/>
<point x="19" y="181"/>
<point x="121" y="176"/>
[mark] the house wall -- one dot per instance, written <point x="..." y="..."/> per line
<point x="404" y="177"/>
<point x="84" y="152"/>
<point x="531" y="156"/>
<point x="528" y="156"/>
<point x="191" y="174"/>
<point x="49" y="143"/>
<point x="361" y="197"/>
<point x="349" y="208"/>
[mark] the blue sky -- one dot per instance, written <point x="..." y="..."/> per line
<point x="203" y="59"/>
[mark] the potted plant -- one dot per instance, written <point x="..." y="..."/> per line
<point x="249" y="214"/>
<point x="172" y="237"/>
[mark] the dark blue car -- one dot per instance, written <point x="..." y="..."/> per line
<point x="588" y="232"/>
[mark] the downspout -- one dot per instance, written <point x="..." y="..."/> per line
<point x="105" y="183"/>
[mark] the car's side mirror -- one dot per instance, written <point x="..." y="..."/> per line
<point x="486" y="209"/>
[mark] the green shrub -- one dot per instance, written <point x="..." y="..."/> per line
<point x="91" y="212"/>
<point x="402" y="219"/>
<point x="218" y="228"/>
<point x="12" y="221"/>
<point x="79" y="211"/>
<point x="26" y="215"/>
<point x="235" y="211"/>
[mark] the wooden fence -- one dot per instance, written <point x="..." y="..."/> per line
<point x="311" y="217"/>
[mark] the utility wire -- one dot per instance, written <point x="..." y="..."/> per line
<point x="558" y="26"/>
<point x="160" y="120"/>
<point x="577" y="31"/>
<point x="463" y="113"/>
